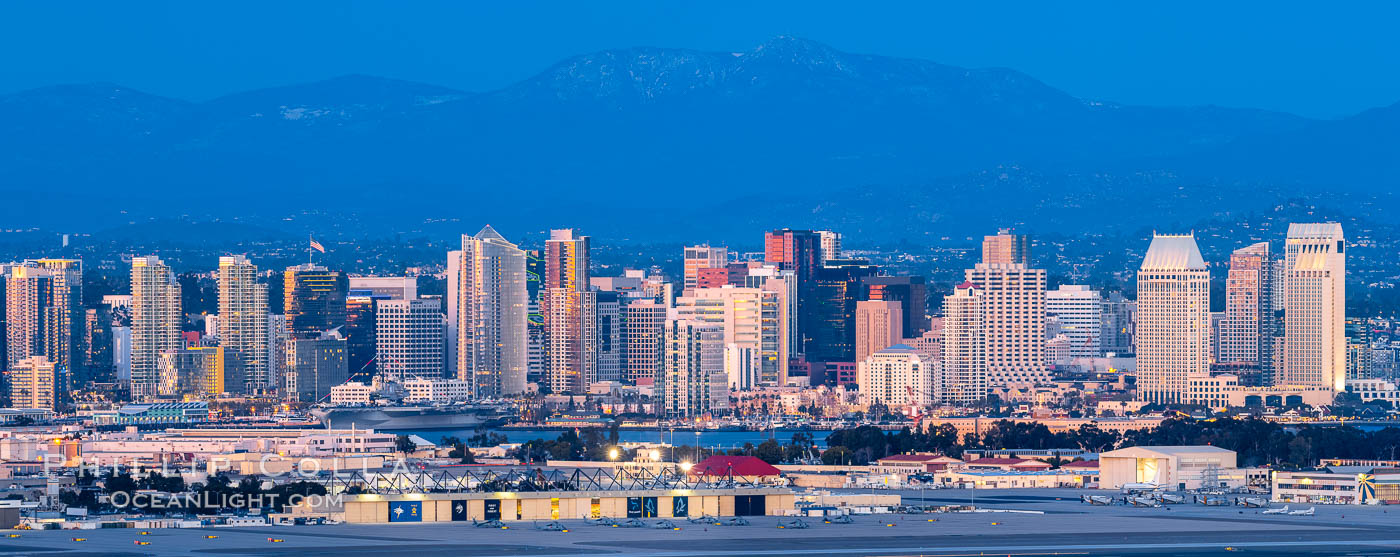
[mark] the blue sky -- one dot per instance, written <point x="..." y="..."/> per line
<point x="1314" y="59"/>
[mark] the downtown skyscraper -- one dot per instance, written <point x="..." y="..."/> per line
<point x="1013" y="321"/>
<point x="1247" y="335"/>
<point x="242" y="325"/>
<point x="1315" y="352"/>
<point x="156" y="321"/>
<point x="570" y="314"/>
<point x="1173" y="325"/>
<point x="492" y="310"/>
<point x="798" y="251"/>
<point x="964" y="374"/>
<point x="313" y="300"/>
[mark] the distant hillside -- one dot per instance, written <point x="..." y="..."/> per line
<point x="661" y="134"/>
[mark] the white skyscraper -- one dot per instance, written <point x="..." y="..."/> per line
<point x="830" y="244"/>
<point x="898" y="376"/>
<point x="491" y="314"/>
<point x="1315" y="350"/>
<point x="155" y="322"/>
<point x="1080" y="312"/>
<point x="964" y="374"/>
<point x="242" y="323"/>
<point x="1173" y="319"/>
<point x="409" y="338"/>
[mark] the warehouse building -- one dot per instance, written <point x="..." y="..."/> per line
<point x="1180" y="467"/>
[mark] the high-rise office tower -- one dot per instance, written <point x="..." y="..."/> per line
<point x="830" y="243"/>
<point x="155" y="322"/>
<point x="1247" y="335"/>
<point x="97" y="344"/>
<point x="910" y="291"/>
<point x="570" y="314"/>
<point x="1013" y="321"/>
<point x="1006" y="248"/>
<point x="278" y="346"/>
<point x="692" y="381"/>
<point x="964" y="374"/>
<point x="1315" y="350"/>
<point x="609" y="327"/>
<point x="1119" y="325"/>
<point x="31" y="383"/>
<point x="643" y="322"/>
<point x="753" y="326"/>
<point x="316" y="365"/>
<point x="361" y="311"/>
<point x="879" y="324"/>
<point x="1360" y="362"/>
<point x="313" y="300"/>
<point x="242" y="323"/>
<point x="492" y="315"/>
<point x="409" y="338"/>
<point x="798" y="251"/>
<point x="31" y="315"/>
<point x="454" y="284"/>
<point x="1079" y="310"/>
<point x="834" y="304"/>
<point x="702" y="257"/>
<point x="1173" y="319"/>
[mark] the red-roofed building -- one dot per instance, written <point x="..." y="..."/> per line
<point x="1081" y="465"/>
<point x="741" y="467"/>
<point x="1009" y="464"/>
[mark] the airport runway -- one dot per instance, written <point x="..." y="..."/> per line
<point x="1068" y="527"/>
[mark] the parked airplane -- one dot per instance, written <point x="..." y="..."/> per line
<point x="1141" y="486"/>
<point x="1169" y="499"/>
<point x="795" y="523"/>
<point x="840" y="519"/>
<point x="489" y="524"/>
<point x="1283" y="510"/>
<point x="1308" y="512"/>
<point x="603" y="521"/>
<point x="1096" y="499"/>
<point x="1141" y="502"/>
<point x="736" y="521"/>
<point x="703" y="519"/>
<point x="632" y="523"/>
<point x="554" y="526"/>
<point x="1251" y="502"/>
<point x="1212" y="500"/>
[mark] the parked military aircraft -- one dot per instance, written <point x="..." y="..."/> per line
<point x="1141" y="501"/>
<point x="1101" y="500"/>
<point x="840" y="519"/>
<point x="1212" y="500"/>
<point x="603" y="521"/>
<point x="665" y="525"/>
<point x="632" y="523"/>
<point x="1170" y="499"/>
<point x="552" y="526"/>
<point x="489" y="524"/>
<point x="703" y="519"/>
<point x="736" y="521"/>
<point x="795" y="523"/>
<point x="1251" y="502"/>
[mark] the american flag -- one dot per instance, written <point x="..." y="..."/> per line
<point x="317" y="246"/>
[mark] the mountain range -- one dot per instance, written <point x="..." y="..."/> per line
<point x="632" y="141"/>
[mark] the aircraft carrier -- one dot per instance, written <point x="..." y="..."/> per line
<point x="410" y="417"/>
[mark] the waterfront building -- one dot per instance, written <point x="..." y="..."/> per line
<point x="1173" y="324"/>
<point x="898" y="377"/>
<point x="1315" y="350"/>
<point x="491" y="316"/>
<point x="242" y="323"/>
<point x="155" y="322"/>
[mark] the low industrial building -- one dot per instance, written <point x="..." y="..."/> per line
<point x="1008" y="479"/>
<point x="1185" y="467"/>
<point x="554" y="505"/>
<point x="1339" y="485"/>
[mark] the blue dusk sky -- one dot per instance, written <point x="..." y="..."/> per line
<point x="1314" y="59"/>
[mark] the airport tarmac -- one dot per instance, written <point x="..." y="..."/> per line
<point x="1067" y="527"/>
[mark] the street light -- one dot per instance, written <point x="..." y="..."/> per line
<point x="612" y="453"/>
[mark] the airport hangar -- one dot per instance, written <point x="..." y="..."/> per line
<point x="1175" y="467"/>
